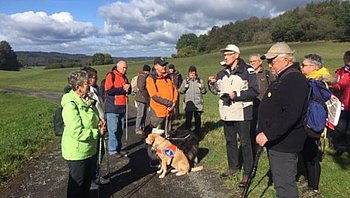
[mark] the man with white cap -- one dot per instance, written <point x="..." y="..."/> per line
<point x="237" y="86"/>
<point x="280" y="121"/>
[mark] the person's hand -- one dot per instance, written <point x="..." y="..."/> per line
<point x="102" y="126"/>
<point x="212" y="79"/>
<point x="172" y="107"/>
<point x="199" y="85"/>
<point x="187" y="85"/>
<point x="261" y="139"/>
<point x="232" y="95"/>
<point x="126" y="87"/>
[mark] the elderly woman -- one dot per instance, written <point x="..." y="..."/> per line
<point x="313" y="68"/>
<point x="79" y="139"/>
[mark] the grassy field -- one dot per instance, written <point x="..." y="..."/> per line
<point x="335" y="173"/>
<point x="25" y="128"/>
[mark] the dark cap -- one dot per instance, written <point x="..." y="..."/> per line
<point x="192" y="68"/>
<point x="146" y="68"/>
<point x="171" y="66"/>
<point x="160" y="61"/>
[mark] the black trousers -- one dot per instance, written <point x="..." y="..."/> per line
<point x="242" y="128"/>
<point x="283" y="167"/>
<point x="311" y="156"/>
<point x="81" y="172"/>
<point x="197" y="120"/>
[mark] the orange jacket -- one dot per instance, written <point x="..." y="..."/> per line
<point x="116" y="96"/>
<point x="162" y="92"/>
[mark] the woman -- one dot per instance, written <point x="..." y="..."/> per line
<point x="193" y="88"/>
<point x="79" y="139"/>
<point x="312" y="67"/>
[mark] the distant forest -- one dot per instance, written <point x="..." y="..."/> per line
<point x="328" y="20"/>
<point x="59" y="60"/>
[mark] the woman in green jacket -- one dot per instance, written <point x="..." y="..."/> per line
<point x="79" y="139"/>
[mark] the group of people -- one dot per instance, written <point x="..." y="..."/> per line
<point x="264" y="107"/>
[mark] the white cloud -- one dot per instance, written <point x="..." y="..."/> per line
<point x="132" y="28"/>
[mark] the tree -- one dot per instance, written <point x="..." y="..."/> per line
<point x="187" y="45"/>
<point x="108" y="59"/>
<point x="8" y="58"/>
<point x="98" y="59"/>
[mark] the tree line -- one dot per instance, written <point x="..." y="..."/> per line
<point x="328" y="20"/>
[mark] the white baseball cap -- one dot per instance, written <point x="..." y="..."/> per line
<point x="231" y="47"/>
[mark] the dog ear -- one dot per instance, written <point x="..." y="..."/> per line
<point x="151" y="138"/>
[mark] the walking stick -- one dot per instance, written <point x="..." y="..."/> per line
<point x="99" y="165"/>
<point x="252" y="172"/>
<point x="108" y="167"/>
<point x="126" y="123"/>
<point x="166" y="125"/>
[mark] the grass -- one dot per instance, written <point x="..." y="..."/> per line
<point x="25" y="128"/>
<point x="334" y="182"/>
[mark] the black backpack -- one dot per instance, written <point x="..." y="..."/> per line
<point x="102" y="85"/>
<point x="58" y="124"/>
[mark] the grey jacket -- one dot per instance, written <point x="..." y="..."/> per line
<point x="193" y="94"/>
<point x="142" y="93"/>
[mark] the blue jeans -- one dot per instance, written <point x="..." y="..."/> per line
<point x="115" y="131"/>
<point x="142" y="109"/>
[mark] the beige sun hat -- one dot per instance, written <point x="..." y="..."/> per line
<point x="230" y="47"/>
<point x="277" y="49"/>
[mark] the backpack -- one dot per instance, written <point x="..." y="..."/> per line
<point x="316" y="113"/>
<point x="58" y="124"/>
<point x="102" y="85"/>
<point x="134" y="84"/>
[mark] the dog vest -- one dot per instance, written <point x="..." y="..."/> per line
<point x="168" y="151"/>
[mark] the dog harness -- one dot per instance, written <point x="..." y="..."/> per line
<point x="168" y="151"/>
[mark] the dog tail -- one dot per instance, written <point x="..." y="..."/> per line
<point x="197" y="168"/>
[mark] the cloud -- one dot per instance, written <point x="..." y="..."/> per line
<point x="132" y="28"/>
<point x="40" y="28"/>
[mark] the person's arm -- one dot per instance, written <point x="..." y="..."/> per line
<point x="183" y="89"/>
<point x="153" y="93"/>
<point x="73" y="123"/>
<point x="110" y="89"/>
<point x="141" y="83"/>
<point x="202" y="89"/>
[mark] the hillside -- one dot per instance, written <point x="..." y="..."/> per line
<point x="32" y="58"/>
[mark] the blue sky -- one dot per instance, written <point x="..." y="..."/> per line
<point x="121" y="28"/>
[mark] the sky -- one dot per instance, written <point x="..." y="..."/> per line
<point x="128" y="28"/>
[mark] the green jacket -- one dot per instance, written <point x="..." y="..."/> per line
<point x="79" y="139"/>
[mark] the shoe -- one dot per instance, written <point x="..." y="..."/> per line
<point x="138" y="132"/>
<point x="243" y="183"/>
<point x="228" y="173"/>
<point x="312" y="193"/>
<point x="101" y="181"/>
<point x="122" y="153"/>
<point x="93" y="186"/>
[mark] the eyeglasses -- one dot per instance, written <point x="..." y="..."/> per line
<point x="229" y="54"/>
<point x="305" y="65"/>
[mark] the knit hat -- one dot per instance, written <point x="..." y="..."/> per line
<point x="192" y="68"/>
<point x="146" y="68"/>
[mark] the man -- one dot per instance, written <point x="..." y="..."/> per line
<point x="280" y="122"/>
<point x="115" y="106"/>
<point x="177" y="79"/>
<point x="264" y="79"/>
<point x="342" y="89"/>
<point x="237" y="86"/>
<point x="163" y="94"/>
<point x="142" y="99"/>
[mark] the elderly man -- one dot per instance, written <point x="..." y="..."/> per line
<point x="163" y="94"/>
<point x="264" y="79"/>
<point x="280" y="122"/>
<point x="115" y="106"/>
<point x="237" y="86"/>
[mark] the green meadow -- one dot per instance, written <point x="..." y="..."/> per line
<point x="335" y="173"/>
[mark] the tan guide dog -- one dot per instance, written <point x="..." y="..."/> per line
<point x="169" y="154"/>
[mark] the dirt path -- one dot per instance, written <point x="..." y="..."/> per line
<point x="46" y="174"/>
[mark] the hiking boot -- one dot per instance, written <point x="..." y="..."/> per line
<point x="312" y="193"/>
<point x="101" y="181"/>
<point x="228" y="173"/>
<point x="93" y="186"/>
<point x="243" y="183"/>
<point x="138" y="132"/>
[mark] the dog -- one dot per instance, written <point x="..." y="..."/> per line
<point x="169" y="154"/>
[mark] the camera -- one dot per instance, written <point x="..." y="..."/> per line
<point x="226" y="100"/>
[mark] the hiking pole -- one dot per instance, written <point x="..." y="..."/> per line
<point x="252" y="172"/>
<point x="166" y="124"/>
<point x="108" y="166"/>
<point x="99" y="165"/>
<point x="126" y="123"/>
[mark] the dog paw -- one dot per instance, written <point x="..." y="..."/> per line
<point x="173" y="171"/>
<point x="161" y="176"/>
<point x="160" y="171"/>
<point x="180" y="174"/>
